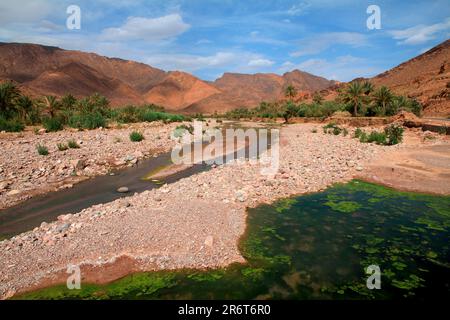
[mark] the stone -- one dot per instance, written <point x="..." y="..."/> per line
<point x="62" y="227"/>
<point x="13" y="192"/>
<point x="78" y="164"/>
<point x="240" y="196"/>
<point x="123" y="190"/>
<point x="359" y="168"/>
<point x="209" y="241"/>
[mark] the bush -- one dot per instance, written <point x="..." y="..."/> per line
<point x="62" y="147"/>
<point x="377" y="137"/>
<point x="11" y="125"/>
<point x="42" y="150"/>
<point x="358" y="133"/>
<point x="73" y="144"/>
<point x="394" y="134"/>
<point x="363" y="137"/>
<point x="87" y="120"/>
<point x="136" y="136"/>
<point x="52" y="124"/>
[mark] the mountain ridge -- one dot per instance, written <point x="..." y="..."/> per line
<point x="43" y="70"/>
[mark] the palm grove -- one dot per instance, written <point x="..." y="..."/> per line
<point x="358" y="98"/>
<point x="18" y="110"/>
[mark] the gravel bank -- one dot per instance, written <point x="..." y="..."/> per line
<point x="24" y="173"/>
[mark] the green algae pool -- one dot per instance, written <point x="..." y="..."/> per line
<point x="315" y="246"/>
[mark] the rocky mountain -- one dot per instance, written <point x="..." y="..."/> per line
<point x="42" y="70"/>
<point x="248" y="90"/>
<point x="425" y="77"/>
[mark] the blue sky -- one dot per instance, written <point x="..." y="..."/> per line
<point x="207" y="38"/>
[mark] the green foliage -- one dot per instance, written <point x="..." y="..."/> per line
<point x="355" y="96"/>
<point x="290" y="92"/>
<point x="136" y="136"/>
<point x="146" y="113"/>
<point x="52" y="124"/>
<point x="11" y="125"/>
<point x="358" y="133"/>
<point x="62" y="147"/>
<point x="72" y="144"/>
<point x="42" y="150"/>
<point x="87" y="120"/>
<point x="332" y="128"/>
<point x="377" y="137"/>
<point x="317" y="98"/>
<point x="8" y="95"/>
<point x="394" y="134"/>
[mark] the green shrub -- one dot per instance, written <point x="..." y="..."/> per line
<point x="42" y="150"/>
<point x="377" y="137"/>
<point x="52" y="124"/>
<point x="358" y="133"/>
<point x="136" y="136"/>
<point x="73" y="144"/>
<point x="363" y="137"/>
<point x="87" y="120"/>
<point x="394" y="134"/>
<point x="11" y="125"/>
<point x="62" y="147"/>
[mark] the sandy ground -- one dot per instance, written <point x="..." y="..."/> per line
<point x="195" y="222"/>
<point x="420" y="165"/>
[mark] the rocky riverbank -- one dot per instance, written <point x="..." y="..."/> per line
<point x="24" y="173"/>
<point x="193" y="223"/>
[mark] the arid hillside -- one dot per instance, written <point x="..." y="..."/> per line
<point x="425" y="77"/>
<point x="43" y="70"/>
<point x="248" y="90"/>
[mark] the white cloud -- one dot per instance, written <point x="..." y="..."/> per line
<point x="343" y="68"/>
<point x="260" y="63"/>
<point x="298" y="9"/>
<point x="321" y="42"/>
<point x="191" y="63"/>
<point x="151" y="29"/>
<point x="24" y="11"/>
<point x="420" y="34"/>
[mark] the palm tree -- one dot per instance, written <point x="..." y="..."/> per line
<point x="8" y="95"/>
<point x="290" y="92"/>
<point x="24" y="106"/>
<point x="68" y="102"/>
<point x="368" y="88"/>
<point x="383" y="97"/>
<point x="354" y="95"/>
<point x="51" y="105"/>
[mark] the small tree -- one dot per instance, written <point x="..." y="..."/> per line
<point x="290" y="92"/>
<point x="317" y="98"/>
<point x="289" y="111"/>
<point x="355" y="96"/>
<point x="51" y="106"/>
<point x="383" y="98"/>
<point x="8" y="95"/>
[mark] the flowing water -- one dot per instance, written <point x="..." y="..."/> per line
<point x="315" y="246"/>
